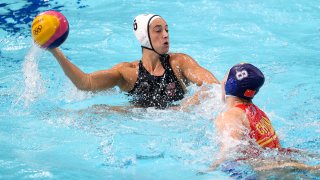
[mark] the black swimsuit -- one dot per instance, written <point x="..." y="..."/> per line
<point x="156" y="91"/>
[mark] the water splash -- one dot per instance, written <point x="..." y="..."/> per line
<point x="34" y="85"/>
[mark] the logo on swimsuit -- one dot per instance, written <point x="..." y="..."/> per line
<point x="171" y="89"/>
<point x="264" y="126"/>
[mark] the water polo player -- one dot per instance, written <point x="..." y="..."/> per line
<point x="157" y="80"/>
<point x="243" y="127"/>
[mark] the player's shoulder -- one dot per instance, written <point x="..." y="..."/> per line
<point x="180" y="59"/>
<point x="233" y="114"/>
<point x="177" y="56"/>
<point x="126" y="65"/>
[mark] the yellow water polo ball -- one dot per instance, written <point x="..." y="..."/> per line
<point x="50" y="29"/>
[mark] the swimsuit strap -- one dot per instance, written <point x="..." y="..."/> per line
<point x="142" y="70"/>
<point x="242" y="106"/>
<point x="164" y="59"/>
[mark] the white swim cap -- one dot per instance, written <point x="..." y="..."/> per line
<point x="141" y="29"/>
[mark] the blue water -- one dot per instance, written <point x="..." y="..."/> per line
<point x="49" y="130"/>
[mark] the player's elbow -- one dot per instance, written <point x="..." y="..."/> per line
<point x="85" y="83"/>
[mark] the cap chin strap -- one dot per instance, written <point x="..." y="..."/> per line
<point x="152" y="49"/>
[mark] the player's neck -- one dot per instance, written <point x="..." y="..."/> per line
<point x="151" y="61"/>
<point x="232" y="101"/>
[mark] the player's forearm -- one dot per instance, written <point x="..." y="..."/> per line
<point x="196" y="98"/>
<point x="80" y="79"/>
<point x="200" y="76"/>
<point x="209" y="78"/>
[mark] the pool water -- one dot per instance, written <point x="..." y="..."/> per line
<point x="51" y="130"/>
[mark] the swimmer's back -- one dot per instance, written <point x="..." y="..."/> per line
<point x="260" y="126"/>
